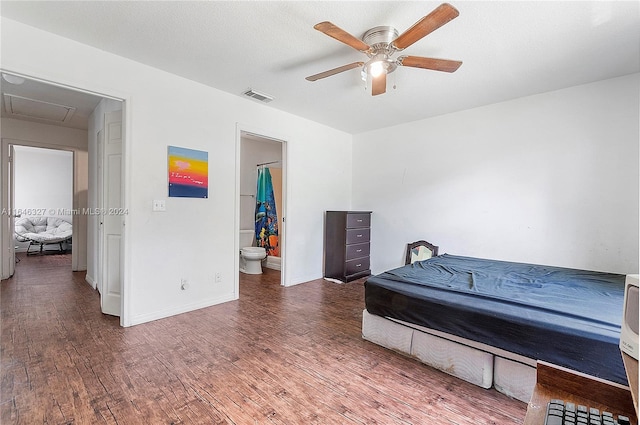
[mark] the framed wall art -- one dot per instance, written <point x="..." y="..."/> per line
<point x="188" y="173"/>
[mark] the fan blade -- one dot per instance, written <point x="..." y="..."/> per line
<point x="334" y="71"/>
<point x="434" y="20"/>
<point x="341" y="35"/>
<point x="445" y="65"/>
<point x="379" y="84"/>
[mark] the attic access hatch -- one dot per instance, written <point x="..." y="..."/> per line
<point x="32" y="108"/>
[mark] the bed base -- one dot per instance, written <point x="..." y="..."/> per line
<point x="477" y="363"/>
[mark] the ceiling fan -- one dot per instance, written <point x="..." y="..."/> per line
<point x="380" y="44"/>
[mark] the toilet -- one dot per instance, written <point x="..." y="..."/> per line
<point x="250" y="256"/>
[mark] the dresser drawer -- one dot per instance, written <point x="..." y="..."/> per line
<point x="358" y="235"/>
<point x="358" y="220"/>
<point x="347" y="237"/>
<point x="357" y="251"/>
<point x="356" y="266"/>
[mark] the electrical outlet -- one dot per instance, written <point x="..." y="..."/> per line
<point x="184" y="285"/>
<point x="218" y="278"/>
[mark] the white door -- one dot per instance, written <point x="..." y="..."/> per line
<point x="111" y="215"/>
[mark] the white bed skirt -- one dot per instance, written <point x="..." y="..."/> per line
<point x="480" y="364"/>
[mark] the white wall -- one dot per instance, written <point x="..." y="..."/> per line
<point x="26" y="133"/>
<point x="43" y="183"/>
<point x="549" y="179"/>
<point x="194" y="238"/>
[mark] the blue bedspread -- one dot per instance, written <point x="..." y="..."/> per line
<point x="564" y="316"/>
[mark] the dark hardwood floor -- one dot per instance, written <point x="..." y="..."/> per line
<point x="276" y="356"/>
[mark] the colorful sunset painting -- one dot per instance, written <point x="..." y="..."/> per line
<point x="188" y="173"/>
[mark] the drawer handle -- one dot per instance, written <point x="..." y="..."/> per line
<point x="359" y="220"/>
<point x="359" y="265"/>
<point x="359" y="236"/>
<point x="358" y="250"/>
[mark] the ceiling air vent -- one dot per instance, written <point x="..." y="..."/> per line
<point x="258" y="96"/>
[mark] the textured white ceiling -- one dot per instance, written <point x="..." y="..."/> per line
<point x="509" y="49"/>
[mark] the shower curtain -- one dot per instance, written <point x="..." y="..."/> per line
<point x="266" y="215"/>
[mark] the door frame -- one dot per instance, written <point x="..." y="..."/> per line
<point x="273" y="136"/>
<point x="9" y="190"/>
<point x="8" y="205"/>
<point x="7" y="247"/>
<point x="6" y="235"/>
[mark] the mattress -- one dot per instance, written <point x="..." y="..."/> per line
<point x="567" y="317"/>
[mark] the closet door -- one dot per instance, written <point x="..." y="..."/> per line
<point x="112" y="215"/>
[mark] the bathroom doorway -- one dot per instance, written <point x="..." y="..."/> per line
<point x="259" y="156"/>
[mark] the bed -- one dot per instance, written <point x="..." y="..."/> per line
<point x="489" y="321"/>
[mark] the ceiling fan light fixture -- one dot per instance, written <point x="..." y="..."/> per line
<point x="381" y="43"/>
<point x="379" y="64"/>
<point x="376" y="69"/>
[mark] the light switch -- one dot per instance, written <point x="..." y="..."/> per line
<point x="159" y="205"/>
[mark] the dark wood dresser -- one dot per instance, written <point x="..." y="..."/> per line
<point x="346" y="244"/>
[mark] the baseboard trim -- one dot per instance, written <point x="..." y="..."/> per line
<point x="273" y="263"/>
<point x="156" y="315"/>
<point x="90" y="281"/>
